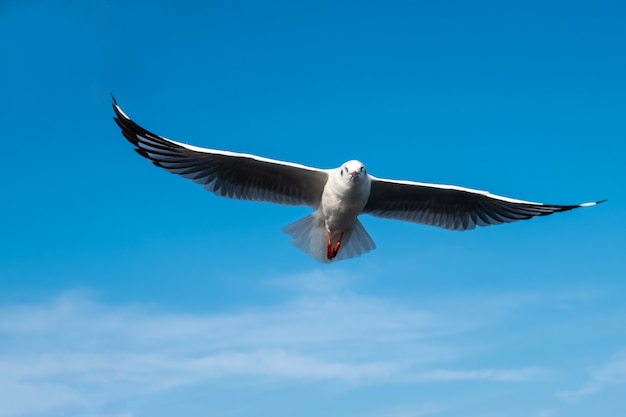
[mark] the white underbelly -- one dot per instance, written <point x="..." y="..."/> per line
<point x="340" y="212"/>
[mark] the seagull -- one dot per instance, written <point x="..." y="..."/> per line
<point x="337" y="196"/>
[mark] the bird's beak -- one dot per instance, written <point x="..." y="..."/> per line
<point x="354" y="175"/>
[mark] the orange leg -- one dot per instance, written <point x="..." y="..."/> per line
<point x="331" y="251"/>
<point x="337" y="245"/>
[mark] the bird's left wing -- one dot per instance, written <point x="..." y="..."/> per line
<point x="451" y="207"/>
<point x="228" y="174"/>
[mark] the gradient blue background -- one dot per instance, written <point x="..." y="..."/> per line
<point x="127" y="291"/>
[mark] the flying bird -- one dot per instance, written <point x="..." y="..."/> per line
<point x="337" y="196"/>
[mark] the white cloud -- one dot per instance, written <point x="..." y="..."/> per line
<point x="25" y="397"/>
<point x="410" y="411"/>
<point x="511" y="375"/>
<point x="73" y="352"/>
<point x="611" y="373"/>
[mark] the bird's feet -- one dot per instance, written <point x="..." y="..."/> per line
<point x="331" y="251"/>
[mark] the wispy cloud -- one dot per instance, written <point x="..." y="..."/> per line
<point x="611" y="373"/>
<point x="74" y="352"/>
<point x="421" y="410"/>
<point x="511" y="375"/>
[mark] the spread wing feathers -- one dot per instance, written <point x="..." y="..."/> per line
<point x="451" y="207"/>
<point x="228" y="174"/>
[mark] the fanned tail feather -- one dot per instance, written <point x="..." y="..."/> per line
<point x="355" y="242"/>
<point x="309" y="235"/>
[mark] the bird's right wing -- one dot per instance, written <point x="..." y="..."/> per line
<point x="228" y="174"/>
<point x="451" y="207"/>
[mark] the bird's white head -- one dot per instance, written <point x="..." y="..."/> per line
<point x="353" y="172"/>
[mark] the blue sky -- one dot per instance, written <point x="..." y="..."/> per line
<point x="126" y="291"/>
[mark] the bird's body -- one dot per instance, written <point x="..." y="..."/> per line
<point x="337" y="196"/>
<point x="345" y="195"/>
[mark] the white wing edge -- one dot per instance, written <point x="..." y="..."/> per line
<point x="473" y="191"/>
<point x="231" y="154"/>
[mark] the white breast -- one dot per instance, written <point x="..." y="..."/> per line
<point x="343" y="200"/>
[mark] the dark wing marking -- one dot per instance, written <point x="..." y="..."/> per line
<point x="228" y="174"/>
<point x="451" y="207"/>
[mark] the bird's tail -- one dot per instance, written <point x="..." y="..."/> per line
<point x="309" y="235"/>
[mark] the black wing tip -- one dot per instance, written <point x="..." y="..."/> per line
<point x="127" y="126"/>
<point x="119" y="114"/>
<point x="592" y="203"/>
<point x="130" y="130"/>
<point x="574" y="206"/>
<point x="135" y="134"/>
